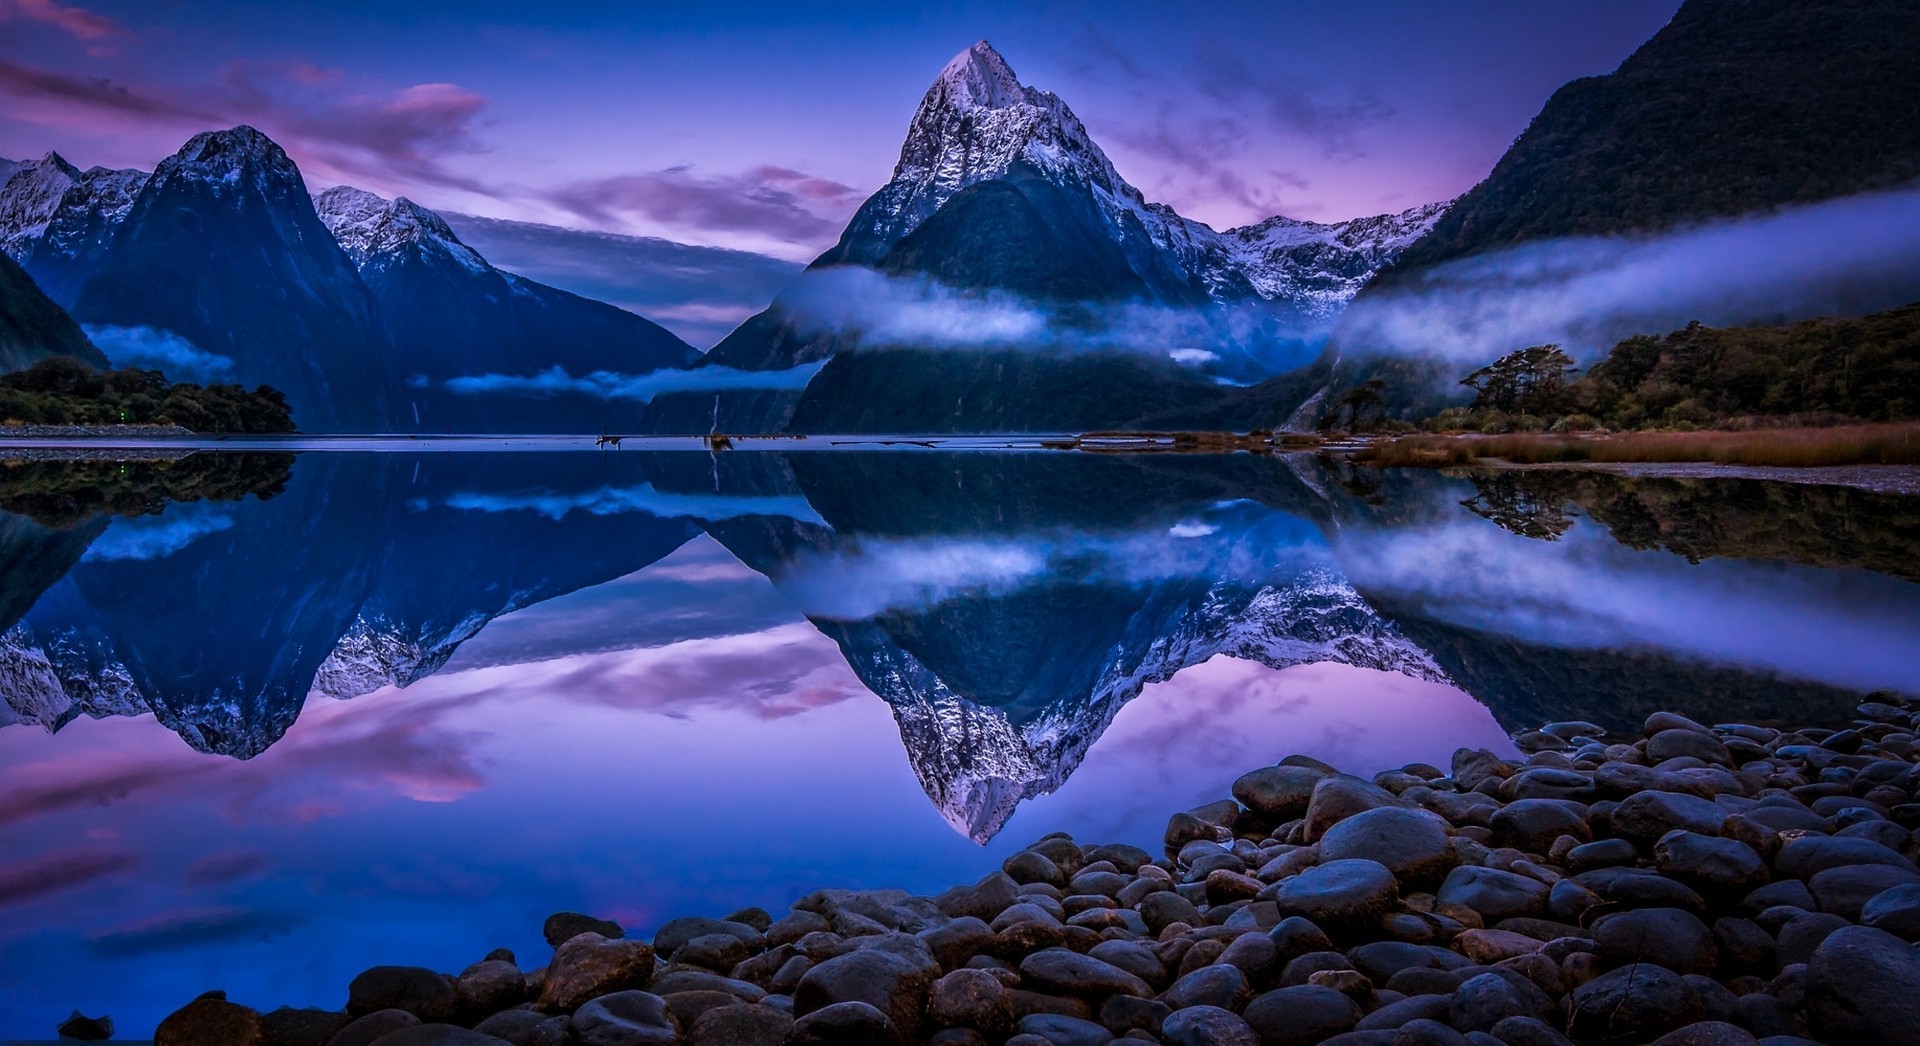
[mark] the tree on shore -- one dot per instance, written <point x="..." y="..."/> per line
<point x="1531" y="381"/>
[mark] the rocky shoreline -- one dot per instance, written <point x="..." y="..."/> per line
<point x="1698" y="886"/>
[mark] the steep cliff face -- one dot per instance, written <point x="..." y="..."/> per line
<point x="222" y="248"/>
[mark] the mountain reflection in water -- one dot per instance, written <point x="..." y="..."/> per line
<point x="443" y="696"/>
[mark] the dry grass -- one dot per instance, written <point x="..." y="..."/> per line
<point x="1894" y="444"/>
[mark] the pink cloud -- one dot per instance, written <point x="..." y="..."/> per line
<point x="337" y="126"/>
<point x="77" y="22"/>
<point x="780" y="202"/>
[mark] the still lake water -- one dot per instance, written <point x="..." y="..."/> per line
<point x="408" y="705"/>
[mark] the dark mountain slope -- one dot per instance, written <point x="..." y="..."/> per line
<point x="1735" y="106"/>
<point x="223" y="249"/>
<point x="33" y="328"/>
<point x="449" y="313"/>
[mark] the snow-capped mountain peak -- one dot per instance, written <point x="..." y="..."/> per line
<point x="29" y="199"/>
<point x="977" y="122"/>
<point x="230" y="158"/>
<point x="979" y="78"/>
<point x="372" y="228"/>
<point x="50" y="211"/>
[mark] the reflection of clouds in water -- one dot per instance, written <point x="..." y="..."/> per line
<point x="1182" y="742"/>
<point x="171" y="931"/>
<point x="613" y="501"/>
<point x="1587" y="592"/>
<point x="777" y="673"/>
<point x="1241" y="543"/>
<point x="876" y="576"/>
<point x="50" y="873"/>
<point x="156" y="537"/>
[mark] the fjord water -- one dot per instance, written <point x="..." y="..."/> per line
<point x="407" y="705"/>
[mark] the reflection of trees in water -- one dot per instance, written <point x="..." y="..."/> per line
<point x="1519" y="507"/>
<point x="66" y="493"/>
<point x="1702" y="519"/>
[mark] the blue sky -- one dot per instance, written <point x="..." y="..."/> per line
<point x="761" y="126"/>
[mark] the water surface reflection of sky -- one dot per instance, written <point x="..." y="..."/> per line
<point x="732" y="759"/>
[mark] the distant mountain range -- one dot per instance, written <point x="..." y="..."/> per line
<point x="1005" y="278"/>
<point x="367" y="312"/>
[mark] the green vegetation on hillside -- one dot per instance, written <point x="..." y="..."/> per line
<point x="1735" y="106"/>
<point x="1819" y="371"/>
<point x="64" y="391"/>
<point x="32" y="327"/>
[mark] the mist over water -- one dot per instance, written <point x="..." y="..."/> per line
<point x="1841" y="257"/>
<point x="1239" y="342"/>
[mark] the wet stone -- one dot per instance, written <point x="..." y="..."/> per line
<point x="1669" y="937"/>
<point x="1207" y="1026"/>
<point x="844" y="1024"/>
<point x="626" y="1018"/>
<point x="1277" y="792"/>
<point x="562" y="927"/>
<point x="1339" y="895"/>
<point x="428" y="995"/>
<point x="589" y="966"/>
<point x="371" y="1027"/>
<point x="1493" y="893"/>
<point x="1300" y="1015"/>
<point x="1214" y="985"/>
<point x="741" y="1024"/>
<point x="211" y="1020"/>
<point x="1412" y="844"/>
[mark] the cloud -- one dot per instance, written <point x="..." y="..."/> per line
<point x="1852" y="255"/>
<point x="359" y="127"/>
<point x="1232" y="342"/>
<point x="1200" y="122"/>
<point x="156" y="538"/>
<point x="699" y="293"/>
<point x="45" y="96"/>
<point x="181" y="359"/>
<point x="225" y="866"/>
<point x="642" y="387"/>
<point x="1288" y="103"/>
<point x="910" y="310"/>
<point x="614" y="501"/>
<point x="77" y="22"/>
<point x="778" y="202"/>
<point x="332" y="123"/>
<point x="54" y="872"/>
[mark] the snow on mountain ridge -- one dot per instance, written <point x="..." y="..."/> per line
<point x="370" y="227"/>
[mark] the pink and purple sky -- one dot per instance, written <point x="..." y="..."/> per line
<point x="762" y="126"/>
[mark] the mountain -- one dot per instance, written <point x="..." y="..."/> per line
<point x="999" y="185"/>
<point x="999" y="188"/>
<point x="33" y="327"/>
<point x="221" y="248"/>
<point x="448" y="313"/>
<point x="56" y="220"/>
<point x="1734" y="107"/>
